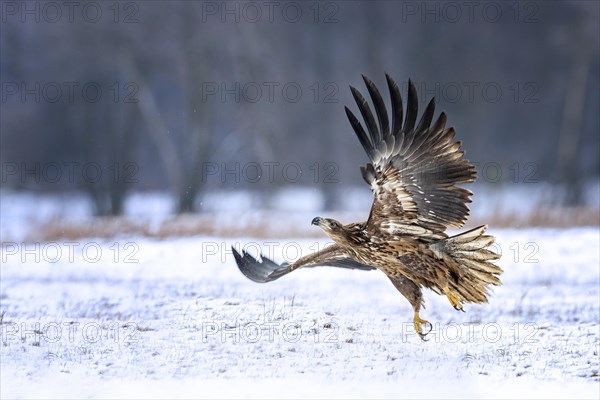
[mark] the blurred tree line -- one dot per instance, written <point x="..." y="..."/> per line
<point x="191" y="96"/>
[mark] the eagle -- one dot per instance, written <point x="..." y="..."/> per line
<point x="414" y="173"/>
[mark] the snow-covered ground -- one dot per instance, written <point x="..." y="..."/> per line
<point x="139" y="317"/>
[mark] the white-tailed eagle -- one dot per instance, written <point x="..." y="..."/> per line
<point x="413" y="172"/>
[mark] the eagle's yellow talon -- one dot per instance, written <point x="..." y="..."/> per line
<point x="419" y="324"/>
<point x="454" y="300"/>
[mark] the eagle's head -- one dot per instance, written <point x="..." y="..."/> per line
<point x="332" y="228"/>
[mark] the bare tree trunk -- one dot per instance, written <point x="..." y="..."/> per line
<point x="571" y="130"/>
<point x="157" y="129"/>
<point x="328" y="145"/>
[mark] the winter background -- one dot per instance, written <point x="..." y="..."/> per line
<point x="140" y="141"/>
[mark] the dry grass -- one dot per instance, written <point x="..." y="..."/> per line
<point x="176" y="226"/>
<point x="106" y="227"/>
<point x="273" y="225"/>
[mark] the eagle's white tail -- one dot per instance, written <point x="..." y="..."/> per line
<point x="469" y="251"/>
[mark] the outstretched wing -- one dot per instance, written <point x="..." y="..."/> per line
<point x="414" y="170"/>
<point x="267" y="270"/>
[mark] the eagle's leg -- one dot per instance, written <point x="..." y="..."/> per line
<point x="454" y="300"/>
<point x="413" y="294"/>
<point x="419" y="323"/>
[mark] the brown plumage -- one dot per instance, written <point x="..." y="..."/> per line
<point x="413" y="173"/>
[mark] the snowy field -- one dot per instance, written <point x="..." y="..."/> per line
<point x="23" y="212"/>
<point x="140" y="317"/>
